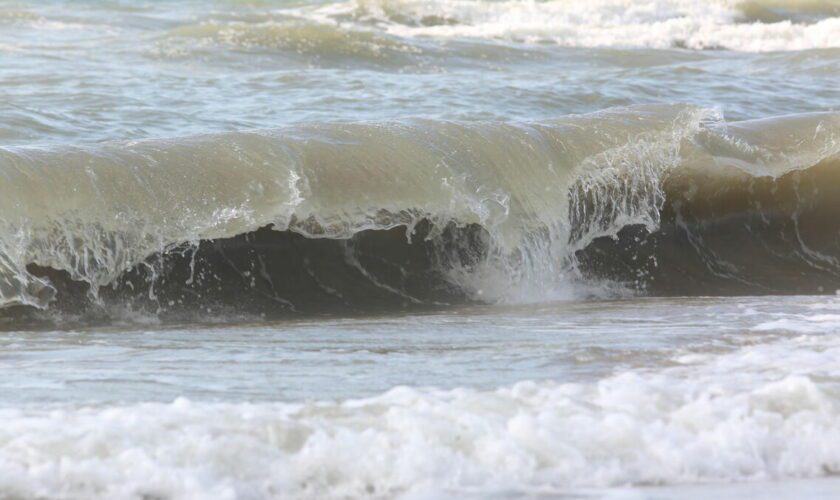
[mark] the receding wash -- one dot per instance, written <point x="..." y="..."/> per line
<point x="420" y="249"/>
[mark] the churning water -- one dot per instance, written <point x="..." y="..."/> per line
<point x="420" y="249"/>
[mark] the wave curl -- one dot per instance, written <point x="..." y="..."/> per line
<point x="660" y="199"/>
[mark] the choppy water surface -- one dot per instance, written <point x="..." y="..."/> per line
<point x="421" y="249"/>
<point x="99" y="70"/>
<point x="508" y="402"/>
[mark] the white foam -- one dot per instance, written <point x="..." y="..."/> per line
<point x="759" y="412"/>
<point x="592" y="23"/>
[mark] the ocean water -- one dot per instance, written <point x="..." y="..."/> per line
<point x="419" y="249"/>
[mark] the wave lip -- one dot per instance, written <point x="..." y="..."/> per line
<point x="491" y="210"/>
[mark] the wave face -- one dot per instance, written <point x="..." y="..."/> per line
<point x="660" y="199"/>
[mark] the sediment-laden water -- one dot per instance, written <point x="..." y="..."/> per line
<point x="418" y="248"/>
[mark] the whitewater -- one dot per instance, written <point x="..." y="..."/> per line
<point x="419" y="249"/>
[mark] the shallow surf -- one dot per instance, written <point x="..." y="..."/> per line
<point x="405" y="249"/>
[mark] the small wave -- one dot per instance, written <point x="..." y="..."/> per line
<point x="773" y="11"/>
<point x="13" y="16"/>
<point x="25" y="18"/>
<point x="293" y="36"/>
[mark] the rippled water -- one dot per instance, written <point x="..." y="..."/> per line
<point x="419" y="249"/>
<point x="95" y="70"/>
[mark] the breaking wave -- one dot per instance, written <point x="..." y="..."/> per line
<point x="755" y="26"/>
<point x="378" y="30"/>
<point x="343" y="217"/>
<point x="362" y="26"/>
<point x="321" y="41"/>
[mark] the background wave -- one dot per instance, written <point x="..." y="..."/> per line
<point x="755" y="26"/>
<point x="382" y="28"/>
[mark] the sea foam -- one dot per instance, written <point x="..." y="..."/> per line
<point x="756" y="412"/>
<point x="741" y="26"/>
